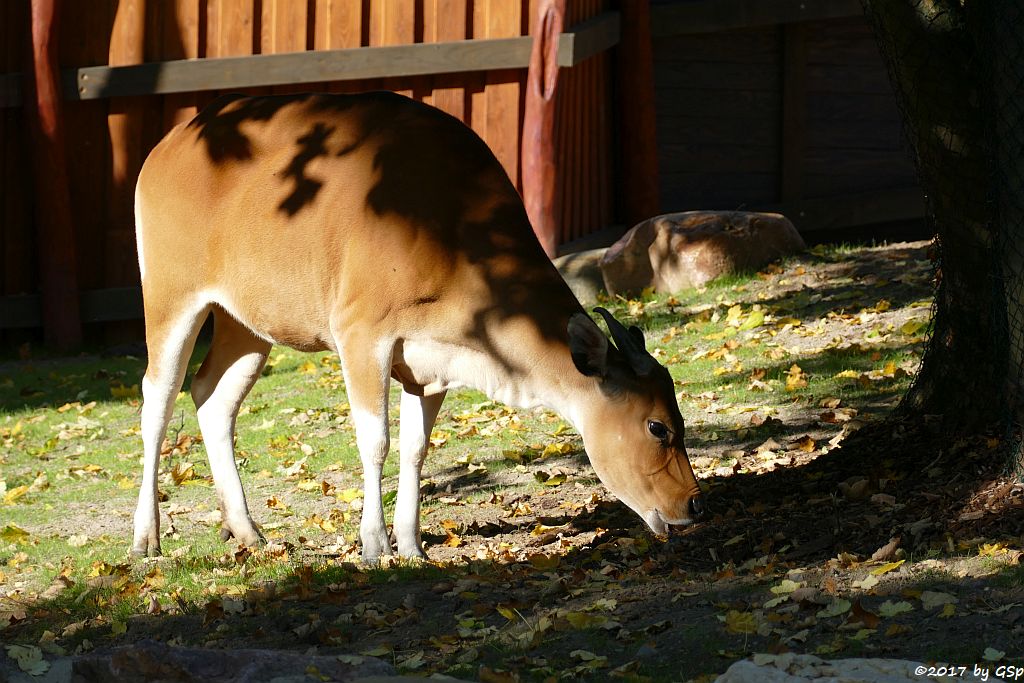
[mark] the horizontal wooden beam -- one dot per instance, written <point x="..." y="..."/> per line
<point x="96" y="306"/>
<point x="710" y="16"/>
<point x="589" y="38"/>
<point x="194" y="75"/>
<point x="420" y="59"/>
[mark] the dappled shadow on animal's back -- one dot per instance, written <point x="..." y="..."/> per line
<point x="311" y="145"/>
<point x="437" y="175"/>
<point x="220" y="126"/>
<point x="431" y="175"/>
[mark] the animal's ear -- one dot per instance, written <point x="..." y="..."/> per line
<point x="588" y="345"/>
<point x="638" y="335"/>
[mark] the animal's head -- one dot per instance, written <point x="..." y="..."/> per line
<point x="634" y="434"/>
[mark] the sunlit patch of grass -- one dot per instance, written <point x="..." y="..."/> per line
<point x="83" y="459"/>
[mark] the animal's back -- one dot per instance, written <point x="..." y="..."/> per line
<point x="338" y="202"/>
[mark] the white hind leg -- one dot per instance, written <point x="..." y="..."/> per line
<point x="170" y="340"/>
<point x="230" y="369"/>
<point x="417" y="421"/>
<point x="366" y="364"/>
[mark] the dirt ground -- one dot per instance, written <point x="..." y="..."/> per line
<point x="895" y="542"/>
<point x="685" y="608"/>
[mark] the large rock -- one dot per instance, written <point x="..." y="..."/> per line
<point x="681" y="250"/>
<point x="792" y="668"/>
<point x="582" y="272"/>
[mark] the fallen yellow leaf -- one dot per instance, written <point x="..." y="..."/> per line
<point x="888" y="567"/>
<point x="740" y="622"/>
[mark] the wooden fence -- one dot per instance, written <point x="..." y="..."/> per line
<point x="132" y="69"/>
<point x="782" y="105"/>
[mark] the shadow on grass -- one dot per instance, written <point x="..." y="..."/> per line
<point x="667" y="597"/>
<point x="888" y="268"/>
<point x="53" y="382"/>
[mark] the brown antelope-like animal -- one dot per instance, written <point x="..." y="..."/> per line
<point x="386" y="231"/>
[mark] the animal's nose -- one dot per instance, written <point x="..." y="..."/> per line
<point x="697" y="508"/>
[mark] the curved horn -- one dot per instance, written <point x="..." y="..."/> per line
<point x="630" y="342"/>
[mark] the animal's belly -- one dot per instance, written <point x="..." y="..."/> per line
<point x="423" y="367"/>
<point x="297" y="329"/>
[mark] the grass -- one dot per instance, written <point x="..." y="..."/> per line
<point x="70" y="449"/>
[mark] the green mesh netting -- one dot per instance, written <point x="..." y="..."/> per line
<point x="958" y="71"/>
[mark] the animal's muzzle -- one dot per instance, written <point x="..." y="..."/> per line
<point x="697" y="507"/>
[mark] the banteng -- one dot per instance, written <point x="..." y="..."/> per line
<point x="385" y="231"/>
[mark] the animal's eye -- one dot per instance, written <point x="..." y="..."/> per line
<point x="657" y="429"/>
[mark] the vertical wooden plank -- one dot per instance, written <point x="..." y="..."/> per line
<point x="338" y="24"/>
<point x="568" y="121"/>
<point x="599" y="142"/>
<point x="125" y="129"/>
<point x="393" y="22"/>
<point x="16" y="225"/>
<point x="426" y="31"/>
<point x="580" y="139"/>
<point x="600" y="77"/>
<point x="584" y="222"/>
<point x="229" y="28"/>
<point x="476" y="82"/>
<point x="541" y="149"/>
<point x="88" y="142"/>
<point x="638" y="148"/>
<point x="585" y="170"/>
<point x="576" y="169"/>
<point x="502" y="91"/>
<point x="445" y="20"/>
<point x="56" y="245"/>
<point x="605" y="141"/>
<point x="341" y="24"/>
<point x="794" y="111"/>
<point x="231" y="32"/>
<point x="179" y="25"/>
<point x="283" y="28"/>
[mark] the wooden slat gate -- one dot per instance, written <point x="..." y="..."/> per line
<point x="134" y="68"/>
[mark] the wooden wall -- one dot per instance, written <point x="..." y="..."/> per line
<point x="108" y="139"/>
<point x="584" y="140"/>
<point x="17" y="237"/>
<point x="854" y="137"/>
<point x="782" y="117"/>
<point x="719" y="117"/>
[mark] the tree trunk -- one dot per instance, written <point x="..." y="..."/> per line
<point x="935" y="67"/>
<point x="1000" y="36"/>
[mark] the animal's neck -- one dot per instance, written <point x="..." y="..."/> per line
<point x="529" y="370"/>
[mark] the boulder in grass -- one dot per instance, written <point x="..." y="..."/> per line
<point x="794" y="668"/>
<point x="582" y="272"/>
<point x="681" y="250"/>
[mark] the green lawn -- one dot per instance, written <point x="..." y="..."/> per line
<point x="795" y="353"/>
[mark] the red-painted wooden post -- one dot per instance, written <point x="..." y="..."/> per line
<point x="540" y="172"/>
<point x="637" y="134"/>
<point x="56" y="239"/>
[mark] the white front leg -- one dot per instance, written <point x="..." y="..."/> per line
<point x="157" y="404"/>
<point x="373" y="441"/>
<point x="418" y="414"/>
